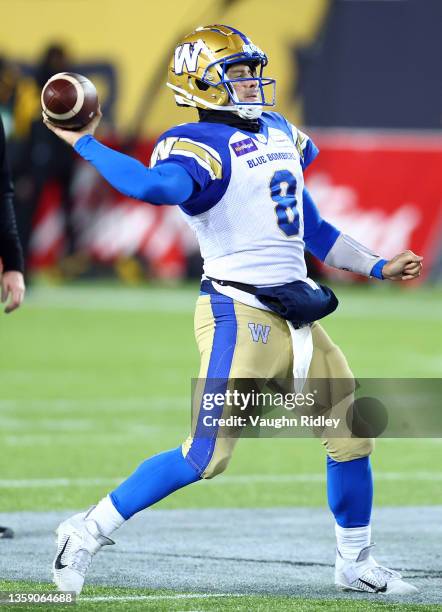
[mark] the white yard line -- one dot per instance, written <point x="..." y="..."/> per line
<point x="99" y="403"/>
<point x="159" y="597"/>
<point x="37" y="483"/>
<point x="239" y="479"/>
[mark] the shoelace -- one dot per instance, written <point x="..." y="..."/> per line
<point x="390" y="572"/>
<point x="377" y="577"/>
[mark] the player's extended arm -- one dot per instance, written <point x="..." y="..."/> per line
<point x="335" y="249"/>
<point x="341" y="251"/>
<point x="168" y="183"/>
<point x="165" y="184"/>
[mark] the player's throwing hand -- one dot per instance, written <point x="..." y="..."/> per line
<point x="404" y="266"/>
<point x="71" y="136"/>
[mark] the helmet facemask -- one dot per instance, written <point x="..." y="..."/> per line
<point x="245" y="109"/>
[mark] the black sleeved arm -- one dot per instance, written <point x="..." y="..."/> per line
<point x="10" y="248"/>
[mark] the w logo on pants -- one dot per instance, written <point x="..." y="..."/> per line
<point x="259" y="331"/>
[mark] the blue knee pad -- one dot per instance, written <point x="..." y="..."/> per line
<point x="350" y="491"/>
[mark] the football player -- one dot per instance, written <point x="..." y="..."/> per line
<point x="237" y="177"/>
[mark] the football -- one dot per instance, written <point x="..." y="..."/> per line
<point x="69" y="100"/>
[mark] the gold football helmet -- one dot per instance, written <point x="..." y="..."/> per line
<point x="197" y="71"/>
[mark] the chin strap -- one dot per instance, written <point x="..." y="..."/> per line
<point x="249" y="112"/>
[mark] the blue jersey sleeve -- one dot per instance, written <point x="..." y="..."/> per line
<point x="200" y="161"/>
<point x="168" y="184"/>
<point x="319" y="235"/>
<point x="202" y="151"/>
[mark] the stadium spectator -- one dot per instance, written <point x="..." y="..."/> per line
<point x="9" y="76"/>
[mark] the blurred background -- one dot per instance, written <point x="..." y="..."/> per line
<point x="363" y="78"/>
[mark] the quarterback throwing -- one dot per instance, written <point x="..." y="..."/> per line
<point x="237" y="176"/>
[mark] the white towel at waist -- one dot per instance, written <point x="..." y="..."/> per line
<point x="302" y="344"/>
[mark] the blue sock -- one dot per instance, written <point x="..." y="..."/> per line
<point x="350" y="491"/>
<point x="154" y="479"/>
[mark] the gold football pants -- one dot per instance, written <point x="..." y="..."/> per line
<point x="238" y="341"/>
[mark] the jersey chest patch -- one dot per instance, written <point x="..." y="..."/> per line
<point x="242" y="147"/>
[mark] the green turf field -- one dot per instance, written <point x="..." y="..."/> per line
<point x="95" y="379"/>
<point x="121" y="599"/>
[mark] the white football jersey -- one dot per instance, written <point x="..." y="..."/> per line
<point x="247" y="211"/>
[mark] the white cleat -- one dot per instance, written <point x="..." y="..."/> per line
<point x="78" y="539"/>
<point x="365" y="574"/>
